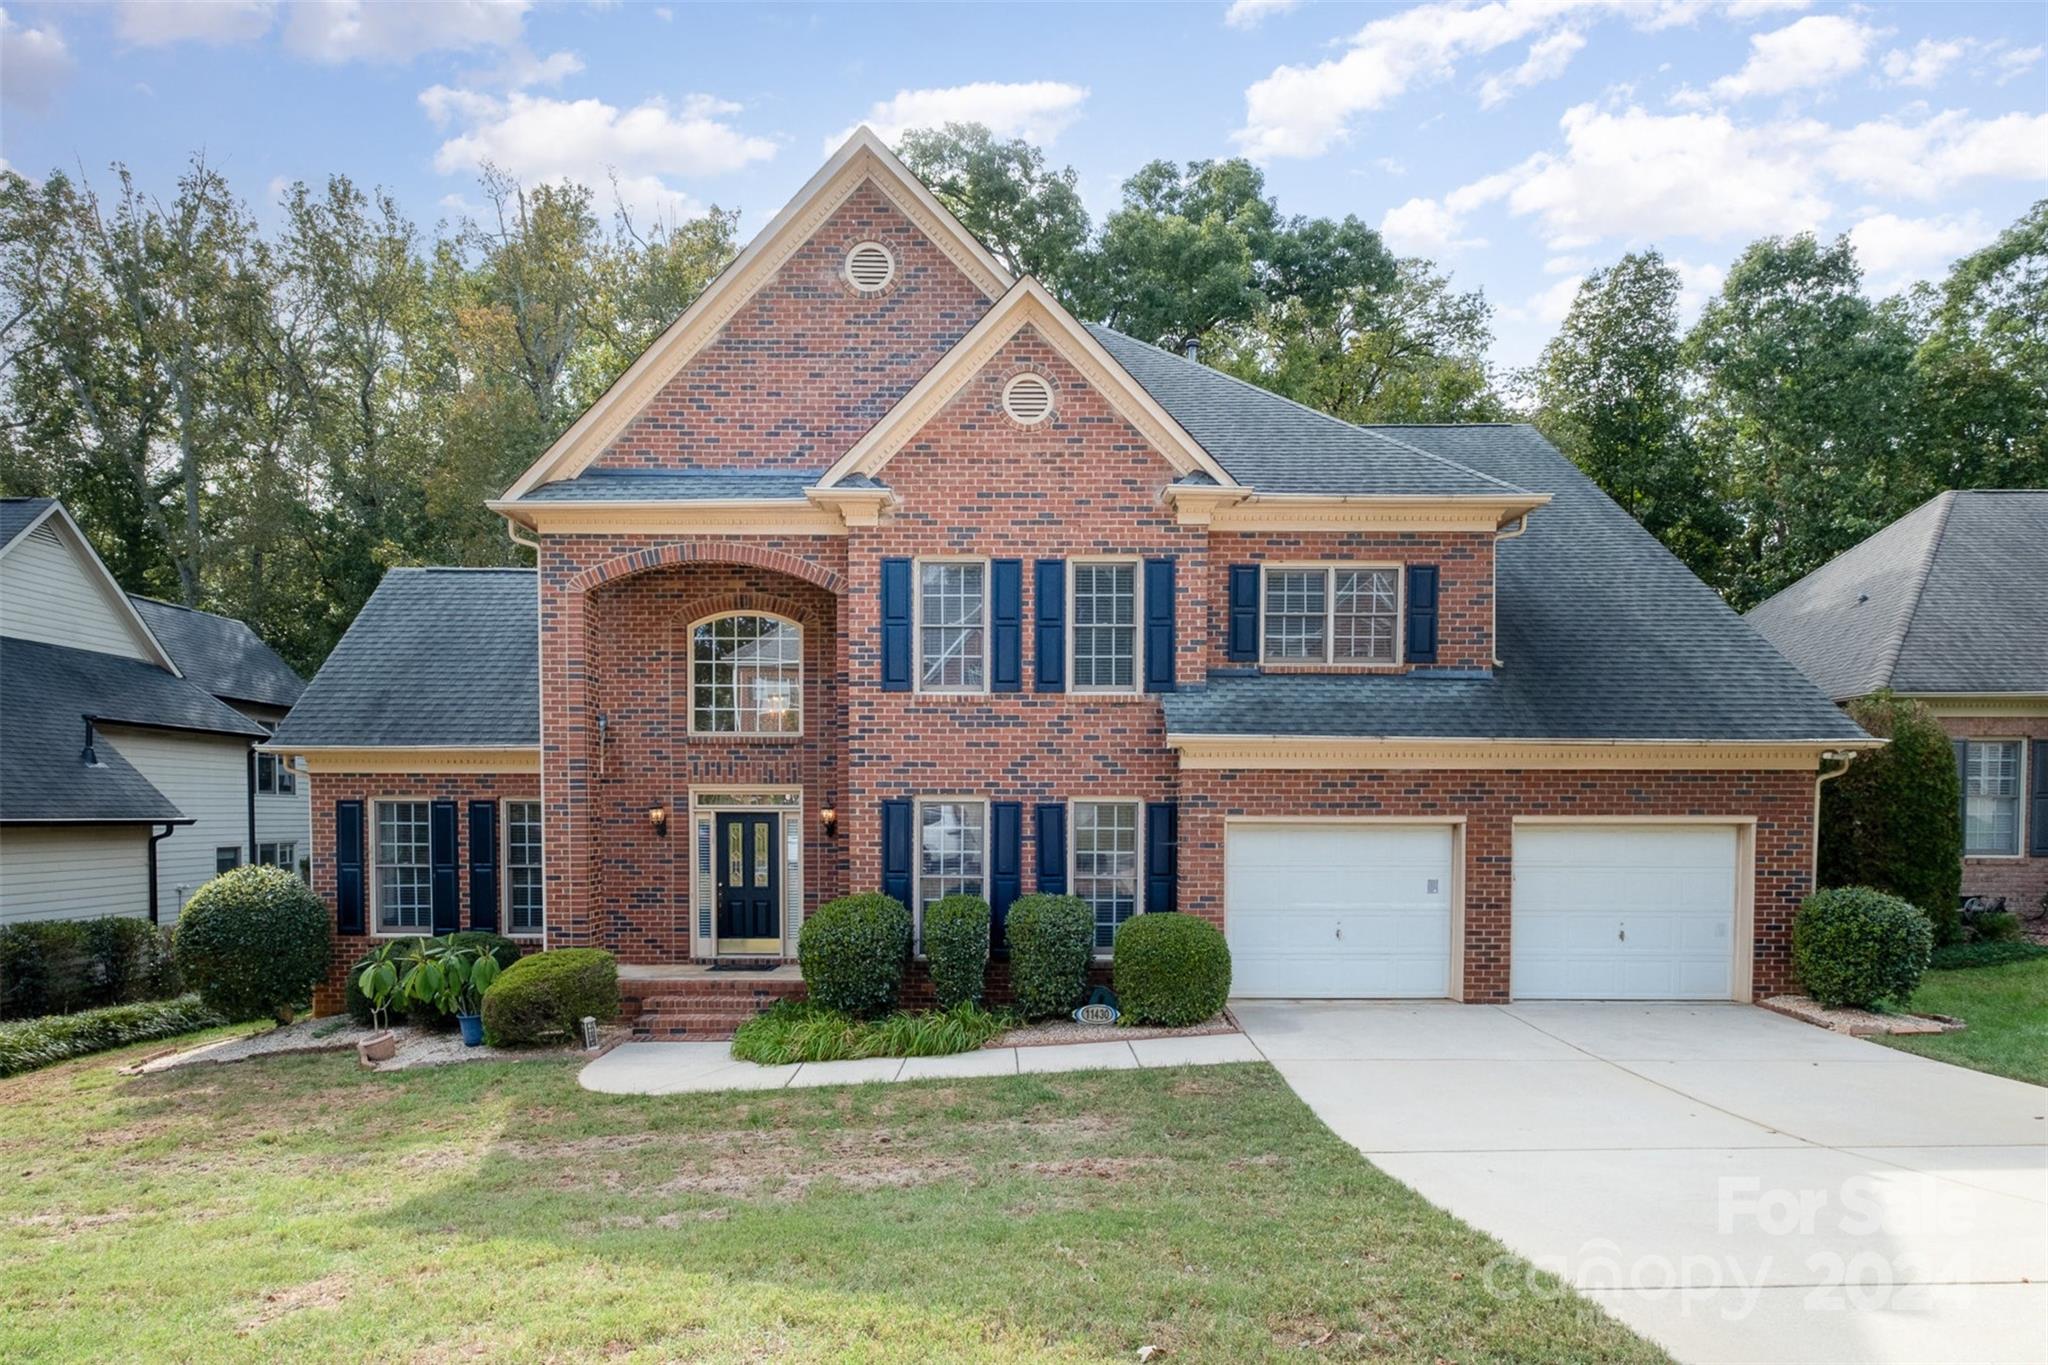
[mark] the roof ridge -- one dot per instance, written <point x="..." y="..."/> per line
<point x="1947" y="501"/>
<point x="1444" y="460"/>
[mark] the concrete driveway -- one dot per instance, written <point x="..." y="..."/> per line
<point x="1734" y="1185"/>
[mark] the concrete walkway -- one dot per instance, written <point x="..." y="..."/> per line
<point x="683" y="1068"/>
<point x="1734" y="1185"/>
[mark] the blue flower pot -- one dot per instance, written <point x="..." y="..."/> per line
<point x="472" y="1029"/>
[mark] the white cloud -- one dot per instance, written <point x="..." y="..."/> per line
<point x="1756" y="9"/>
<point x="2013" y="62"/>
<point x="1568" y="265"/>
<point x="1926" y="159"/>
<point x="147" y="23"/>
<point x="1391" y="165"/>
<point x="1927" y="63"/>
<point x="1547" y="59"/>
<point x="1037" y="111"/>
<point x="1424" y="227"/>
<point x="1252" y="13"/>
<point x="1817" y="50"/>
<point x="1698" y="282"/>
<point x="521" y="68"/>
<point x="1895" y="251"/>
<point x="34" y="63"/>
<point x="335" y="31"/>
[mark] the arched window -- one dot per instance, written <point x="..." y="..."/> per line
<point x="746" y="676"/>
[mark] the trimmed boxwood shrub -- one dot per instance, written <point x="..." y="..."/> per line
<point x="1856" y="946"/>
<point x="29" y="1043"/>
<point x="1051" y="942"/>
<point x="1171" y="969"/>
<point x="956" y="930"/>
<point x="547" y="995"/>
<point x="57" y="966"/>
<point x="424" y="1016"/>
<point x="852" y="952"/>
<point x="253" y="942"/>
<point x="1893" y="821"/>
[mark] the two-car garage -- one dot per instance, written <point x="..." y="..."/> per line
<point x="1600" y="910"/>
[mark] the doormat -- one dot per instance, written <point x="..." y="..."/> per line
<point x="745" y="965"/>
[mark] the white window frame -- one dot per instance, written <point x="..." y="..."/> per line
<point x="1329" y="568"/>
<point x="2019" y="798"/>
<point x="377" y="929"/>
<point x="690" y="678"/>
<point x="917" y="841"/>
<point x="284" y="780"/>
<point x="1137" y="566"/>
<point x="286" y="849"/>
<point x="917" y="623"/>
<point x="1074" y="859"/>
<point x="505" y="868"/>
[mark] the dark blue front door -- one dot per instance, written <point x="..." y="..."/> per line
<point x="749" y="884"/>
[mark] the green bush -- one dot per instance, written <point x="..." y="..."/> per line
<point x="504" y="949"/>
<point x="1170" y="969"/>
<point x="1856" y="946"/>
<point x="546" y="995"/>
<point x="802" y="1031"/>
<point x="26" y="1044"/>
<point x="1995" y="926"/>
<point x="58" y="966"/>
<point x="956" y="933"/>
<point x="1955" y="956"/>
<point x="1051" y="944"/>
<point x="253" y="942"/>
<point x="852" y="952"/>
<point x="1893" y="821"/>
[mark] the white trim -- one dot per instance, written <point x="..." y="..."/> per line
<point x="1137" y="683"/>
<point x="917" y="683"/>
<point x="1227" y="752"/>
<point x="846" y="267"/>
<point x="375" y="891"/>
<point x="690" y="679"/>
<point x="1051" y="398"/>
<point x="505" y="870"/>
<point x="1073" y="855"/>
<point x="101" y="577"/>
<point x="785" y="802"/>
<point x="917" y="805"/>
<point x="1329" y="568"/>
<point x="2021" y="798"/>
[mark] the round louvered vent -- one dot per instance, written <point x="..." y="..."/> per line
<point x="870" y="267"/>
<point x="1028" y="399"/>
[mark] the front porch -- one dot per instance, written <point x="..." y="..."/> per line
<point x="700" y="1001"/>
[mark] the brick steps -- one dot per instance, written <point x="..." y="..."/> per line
<point x="700" y="1009"/>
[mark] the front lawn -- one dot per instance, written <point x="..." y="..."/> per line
<point x="299" y="1209"/>
<point x="2006" y="1009"/>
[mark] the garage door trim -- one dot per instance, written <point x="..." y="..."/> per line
<point x="1454" y="823"/>
<point x="1742" y="970"/>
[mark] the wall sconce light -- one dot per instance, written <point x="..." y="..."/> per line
<point x="658" y="817"/>
<point x="829" y="818"/>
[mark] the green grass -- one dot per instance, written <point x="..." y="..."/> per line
<point x="799" y="1031"/>
<point x="2006" y="1010"/>
<point x="298" y="1208"/>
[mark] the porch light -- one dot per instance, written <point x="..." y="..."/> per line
<point x="658" y="817"/>
<point x="828" y="816"/>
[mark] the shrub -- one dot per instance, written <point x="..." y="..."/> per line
<point x="546" y="995"/>
<point x="1893" y="821"/>
<point x="956" y="933"/>
<point x="1991" y="926"/>
<point x="253" y="942"/>
<point x="803" y="1031"/>
<point x="852" y="952"/>
<point x="1171" y="969"/>
<point x="57" y="966"/>
<point x="1856" y="946"/>
<point x="1051" y="945"/>
<point x="29" y="1043"/>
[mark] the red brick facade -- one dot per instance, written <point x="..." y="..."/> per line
<point x="2022" y="880"/>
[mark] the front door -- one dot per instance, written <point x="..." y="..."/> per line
<point x="749" y="884"/>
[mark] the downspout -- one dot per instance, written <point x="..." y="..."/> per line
<point x="1846" y="757"/>
<point x="1493" y="602"/>
<point x="154" y="840"/>
<point x="512" y="531"/>
<point x="251" y="860"/>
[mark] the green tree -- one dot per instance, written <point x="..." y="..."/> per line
<point x="1028" y="214"/>
<point x="1893" y="821"/>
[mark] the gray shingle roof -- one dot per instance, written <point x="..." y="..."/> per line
<point x="47" y="691"/>
<point x="17" y="513"/>
<point x="1602" y="635"/>
<point x="693" y="485"/>
<point x="1950" y="598"/>
<point x="220" y="653"/>
<point x="1276" y="445"/>
<point x="437" y="657"/>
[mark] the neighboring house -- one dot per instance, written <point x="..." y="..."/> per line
<point x="127" y="769"/>
<point x="880" y="570"/>
<point x="1949" y="605"/>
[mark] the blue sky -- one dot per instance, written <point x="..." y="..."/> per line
<point x="1518" y="143"/>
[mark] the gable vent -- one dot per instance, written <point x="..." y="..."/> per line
<point x="1028" y="399"/>
<point x="870" y="267"/>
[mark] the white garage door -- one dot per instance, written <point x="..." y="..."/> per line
<point x="1624" y="912"/>
<point x="1332" y="910"/>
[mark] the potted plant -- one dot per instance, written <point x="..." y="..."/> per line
<point x="378" y="981"/>
<point x="452" y="977"/>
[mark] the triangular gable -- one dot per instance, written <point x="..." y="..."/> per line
<point x="1026" y="305"/>
<point x="96" y="573"/>
<point x="862" y="159"/>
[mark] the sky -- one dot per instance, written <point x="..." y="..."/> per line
<point x="1519" y="144"/>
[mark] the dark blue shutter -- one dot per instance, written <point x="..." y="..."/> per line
<point x="1162" y="857"/>
<point x="1049" y="642"/>
<point x="1422" y="613"/>
<point x="348" y="867"/>
<point x="1050" y="822"/>
<point x="483" y="865"/>
<point x="1159" y="632"/>
<point x="1006" y="625"/>
<point x="895" y="625"/>
<point x="1962" y="748"/>
<point x="442" y="866"/>
<point x="896" y="843"/>
<point x="1005" y="867"/>
<point x="1243" y="641"/>
<point x="2037" y="812"/>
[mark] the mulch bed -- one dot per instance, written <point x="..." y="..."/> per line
<point x="1859" y="1023"/>
<point x="416" y="1046"/>
<point x="1053" y="1032"/>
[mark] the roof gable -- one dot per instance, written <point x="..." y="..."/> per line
<point x="221" y="654"/>
<point x="54" y="587"/>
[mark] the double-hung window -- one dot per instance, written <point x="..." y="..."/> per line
<point x="952" y="851"/>
<point x="405" y="897"/>
<point x="274" y="776"/>
<point x="284" y="855"/>
<point x="952" y="645"/>
<point x="1991" y="798"/>
<point x="746" y="676"/>
<point x="1106" y="864"/>
<point x="1333" y="614"/>
<point x="1105" y="626"/>
<point x="523" y="916"/>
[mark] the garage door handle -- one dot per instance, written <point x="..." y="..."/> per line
<point x="1621" y="934"/>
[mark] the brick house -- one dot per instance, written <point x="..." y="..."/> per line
<point x="879" y="569"/>
<point x="1949" y="605"/>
